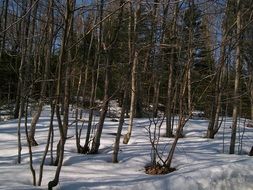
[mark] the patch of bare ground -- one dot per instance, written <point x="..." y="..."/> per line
<point x="158" y="170"/>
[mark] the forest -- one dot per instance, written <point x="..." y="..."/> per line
<point x="86" y="80"/>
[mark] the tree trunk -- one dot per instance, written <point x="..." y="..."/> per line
<point x="63" y="126"/>
<point x="96" y="140"/>
<point x="47" y="145"/>
<point x="133" y="60"/>
<point x="92" y="99"/>
<point x="95" y="72"/>
<point x="156" y="97"/>
<point x="189" y="97"/>
<point x="169" y="131"/>
<point x="21" y="82"/>
<point x="118" y="135"/>
<point x="213" y="126"/>
<point x="236" y="83"/>
<point x="29" y="144"/>
<point x="78" y="145"/>
<point x="4" y="28"/>
<point x="182" y="119"/>
<point x="49" y="44"/>
<point x="133" y="99"/>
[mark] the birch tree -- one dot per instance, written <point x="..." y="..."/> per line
<point x="237" y="79"/>
<point x="133" y="61"/>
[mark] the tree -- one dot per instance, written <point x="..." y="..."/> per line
<point x="171" y="66"/>
<point x="133" y="61"/>
<point x="64" y="58"/>
<point x="237" y="78"/>
<point x="214" y="124"/>
<point x="109" y="59"/>
<point x="4" y="12"/>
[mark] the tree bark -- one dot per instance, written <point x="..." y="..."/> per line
<point x="214" y="125"/>
<point x="96" y="140"/>
<point x="120" y="127"/>
<point x="237" y="81"/>
<point x="94" y="81"/>
<point x="4" y="28"/>
<point x="133" y="99"/>
<point x="63" y="125"/>
<point x="182" y="119"/>
<point x="133" y="60"/>
<point x="47" y="145"/>
<point x="49" y="36"/>
<point x="29" y="144"/>
<point x="169" y="131"/>
<point x="21" y="82"/>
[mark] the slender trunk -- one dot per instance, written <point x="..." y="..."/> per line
<point x="63" y="126"/>
<point x="214" y="121"/>
<point x="182" y="119"/>
<point x="87" y="64"/>
<point x="21" y="108"/>
<point x="169" y="131"/>
<point x="156" y="97"/>
<point x="17" y="101"/>
<point x="92" y="99"/>
<point x="189" y="91"/>
<point x="118" y="135"/>
<point x="84" y="86"/>
<point x="94" y="80"/>
<point x="78" y="146"/>
<point x="191" y="59"/>
<point x="52" y="136"/>
<point x="24" y="27"/>
<point x="109" y="52"/>
<point x="4" y="28"/>
<point x="96" y="140"/>
<point x="29" y="144"/>
<point x="236" y="83"/>
<point x="190" y="62"/>
<point x="133" y="62"/>
<point x="19" y="132"/>
<point x="47" y="145"/>
<point x="133" y="99"/>
<point x="21" y="84"/>
<point x="213" y="126"/>
<point x="49" y="35"/>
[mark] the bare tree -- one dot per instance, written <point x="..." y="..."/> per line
<point x="120" y="126"/>
<point x="133" y="60"/>
<point x="49" y="36"/>
<point x="237" y="79"/>
<point x="214" y="125"/>
<point x="64" y="58"/>
<point x="22" y="90"/>
<point x="169" y="132"/>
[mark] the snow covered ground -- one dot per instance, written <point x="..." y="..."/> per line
<point x="201" y="164"/>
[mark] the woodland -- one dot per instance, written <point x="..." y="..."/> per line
<point x="168" y="61"/>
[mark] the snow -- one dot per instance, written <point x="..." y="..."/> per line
<point x="201" y="163"/>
